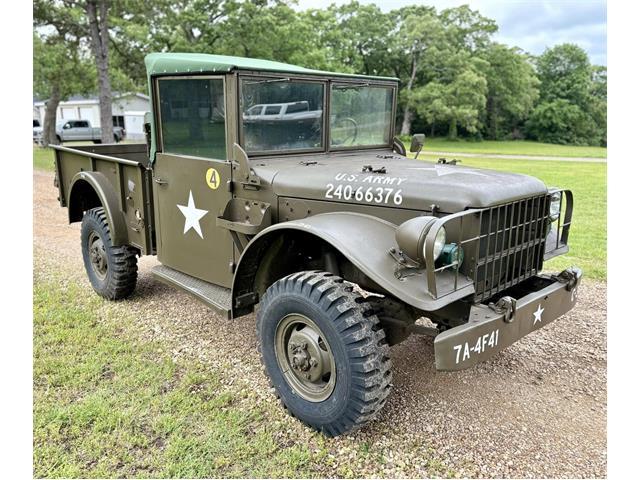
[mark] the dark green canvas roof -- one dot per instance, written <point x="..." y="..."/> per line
<point x="172" y="63"/>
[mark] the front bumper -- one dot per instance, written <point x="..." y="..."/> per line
<point x="495" y="327"/>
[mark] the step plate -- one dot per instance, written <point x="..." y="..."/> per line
<point x="215" y="296"/>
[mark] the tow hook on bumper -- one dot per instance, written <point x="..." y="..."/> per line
<point x="495" y="327"/>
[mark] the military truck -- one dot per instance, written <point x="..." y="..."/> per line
<point x="323" y="224"/>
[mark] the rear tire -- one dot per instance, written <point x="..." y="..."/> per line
<point x="324" y="351"/>
<point x="112" y="271"/>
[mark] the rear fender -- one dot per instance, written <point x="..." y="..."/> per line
<point x="363" y="240"/>
<point x="92" y="189"/>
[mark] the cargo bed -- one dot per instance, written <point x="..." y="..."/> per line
<point x="118" y="172"/>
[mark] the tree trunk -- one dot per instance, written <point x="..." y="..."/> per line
<point x="453" y="129"/>
<point x="100" y="47"/>
<point x="49" y="127"/>
<point x="492" y="118"/>
<point x="407" y="116"/>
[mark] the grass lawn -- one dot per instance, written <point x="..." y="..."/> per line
<point x="43" y="158"/>
<point x="108" y="405"/>
<point x="515" y="147"/>
<point x="588" y="182"/>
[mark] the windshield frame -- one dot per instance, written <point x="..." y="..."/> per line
<point x="328" y="83"/>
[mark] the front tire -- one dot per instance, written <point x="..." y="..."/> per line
<point x="324" y="351"/>
<point x="112" y="271"/>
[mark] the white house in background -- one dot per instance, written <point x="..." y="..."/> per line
<point x="134" y="124"/>
<point x="88" y="108"/>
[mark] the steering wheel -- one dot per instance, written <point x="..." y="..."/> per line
<point x="349" y="129"/>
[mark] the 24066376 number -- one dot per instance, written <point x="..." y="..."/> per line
<point x="380" y="195"/>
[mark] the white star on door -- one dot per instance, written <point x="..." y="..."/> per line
<point x="192" y="215"/>
<point x="537" y="315"/>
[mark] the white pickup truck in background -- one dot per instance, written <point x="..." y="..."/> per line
<point x="81" y="130"/>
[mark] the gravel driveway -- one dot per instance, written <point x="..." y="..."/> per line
<point x="537" y="409"/>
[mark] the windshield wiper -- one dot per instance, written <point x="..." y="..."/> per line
<point x="353" y="85"/>
<point x="272" y="80"/>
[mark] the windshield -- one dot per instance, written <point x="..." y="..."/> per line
<point x="360" y="115"/>
<point x="281" y="114"/>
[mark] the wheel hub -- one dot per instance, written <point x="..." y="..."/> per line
<point x="304" y="358"/>
<point x="97" y="255"/>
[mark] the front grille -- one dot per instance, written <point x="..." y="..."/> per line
<point x="511" y="245"/>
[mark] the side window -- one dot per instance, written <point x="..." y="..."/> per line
<point x="297" y="107"/>
<point x="82" y="124"/>
<point x="192" y="117"/>
<point x="272" y="110"/>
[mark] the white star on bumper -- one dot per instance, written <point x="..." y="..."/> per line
<point x="192" y="215"/>
<point x="537" y="315"/>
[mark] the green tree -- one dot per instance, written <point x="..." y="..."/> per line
<point x="572" y="106"/>
<point x="416" y="46"/>
<point x="565" y="73"/>
<point x="439" y="49"/>
<point x="459" y="103"/>
<point x="512" y="89"/>
<point x="83" y="27"/>
<point x="598" y="104"/>
<point x="58" y="72"/>
<point x="560" y="121"/>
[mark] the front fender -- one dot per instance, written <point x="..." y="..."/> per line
<point x="365" y="241"/>
<point x="108" y="199"/>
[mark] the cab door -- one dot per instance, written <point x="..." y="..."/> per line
<point x="191" y="179"/>
<point x="82" y="130"/>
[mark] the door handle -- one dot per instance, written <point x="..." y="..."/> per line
<point x="159" y="181"/>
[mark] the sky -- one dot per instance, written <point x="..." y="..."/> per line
<point x="532" y="25"/>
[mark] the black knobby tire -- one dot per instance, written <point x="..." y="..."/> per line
<point x="117" y="279"/>
<point x="356" y="340"/>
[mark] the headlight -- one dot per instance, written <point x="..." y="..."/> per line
<point x="411" y="238"/>
<point x="438" y="245"/>
<point x="554" y="206"/>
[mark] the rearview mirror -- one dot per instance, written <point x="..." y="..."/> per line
<point x="417" y="142"/>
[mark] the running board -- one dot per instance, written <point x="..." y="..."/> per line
<point x="216" y="297"/>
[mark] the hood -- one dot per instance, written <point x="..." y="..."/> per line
<point x="394" y="181"/>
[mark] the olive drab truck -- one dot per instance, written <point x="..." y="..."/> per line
<point x="278" y="189"/>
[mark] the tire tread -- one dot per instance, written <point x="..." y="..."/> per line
<point x="363" y="336"/>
